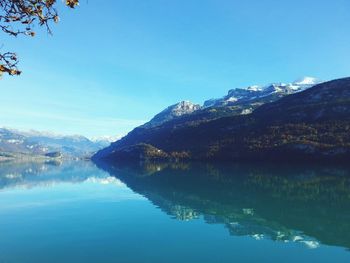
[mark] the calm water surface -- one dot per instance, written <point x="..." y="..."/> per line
<point x="78" y="212"/>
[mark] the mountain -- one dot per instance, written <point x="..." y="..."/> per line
<point x="173" y="111"/>
<point x="238" y="101"/>
<point x="105" y="139"/>
<point x="261" y="95"/>
<point x="311" y="124"/>
<point x="41" y="143"/>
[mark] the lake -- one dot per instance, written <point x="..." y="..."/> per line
<point x="184" y="212"/>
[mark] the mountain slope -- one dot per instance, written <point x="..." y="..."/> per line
<point x="310" y="125"/>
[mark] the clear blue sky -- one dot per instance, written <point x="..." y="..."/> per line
<point x="113" y="64"/>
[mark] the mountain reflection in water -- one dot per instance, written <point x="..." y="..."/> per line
<point x="305" y="204"/>
<point x="308" y="204"/>
<point x="44" y="174"/>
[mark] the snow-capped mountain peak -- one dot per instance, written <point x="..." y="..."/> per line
<point x="47" y="134"/>
<point x="254" y="93"/>
<point x="183" y="107"/>
<point x="106" y="138"/>
<point x="242" y="100"/>
<point x="254" y="88"/>
<point x="173" y="111"/>
<point x="306" y="81"/>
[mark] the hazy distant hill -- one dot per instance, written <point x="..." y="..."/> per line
<point x="311" y="123"/>
<point x="38" y="143"/>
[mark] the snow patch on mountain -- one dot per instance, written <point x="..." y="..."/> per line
<point x="306" y="81"/>
<point x="106" y="138"/>
<point x="252" y="93"/>
<point x="173" y="111"/>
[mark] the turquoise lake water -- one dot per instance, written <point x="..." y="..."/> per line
<point x="80" y="212"/>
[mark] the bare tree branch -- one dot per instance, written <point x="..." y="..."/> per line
<point x="18" y="17"/>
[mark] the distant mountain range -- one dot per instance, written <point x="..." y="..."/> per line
<point x="41" y="143"/>
<point x="304" y="120"/>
